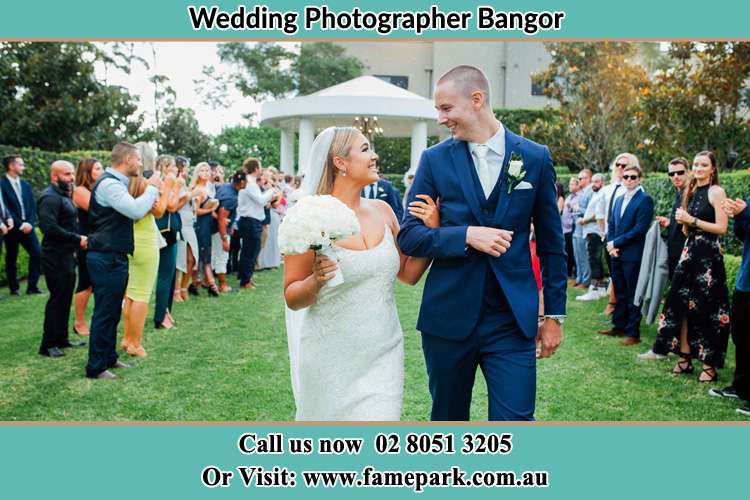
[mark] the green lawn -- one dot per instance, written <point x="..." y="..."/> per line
<point x="227" y="360"/>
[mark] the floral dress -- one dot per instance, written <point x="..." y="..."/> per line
<point x="698" y="293"/>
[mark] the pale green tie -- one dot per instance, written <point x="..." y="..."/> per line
<point x="483" y="169"/>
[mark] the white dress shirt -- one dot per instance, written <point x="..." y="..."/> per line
<point x="627" y="197"/>
<point x="495" y="157"/>
<point x="16" y="183"/>
<point x="614" y="189"/>
<point x="596" y="210"/>
<point x="251" y="201"/>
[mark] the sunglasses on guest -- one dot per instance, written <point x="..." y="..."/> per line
<point x="623" y="165"/>
<point x="676" y="172"/>
<point x="630" y="177"/>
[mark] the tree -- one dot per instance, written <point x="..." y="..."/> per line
<point x="180" y="134"/>
<point x="50" y="98"/>
<point x="234" y="144"/>
<point x="597" y="87"/>
<point x="268" y="70"/>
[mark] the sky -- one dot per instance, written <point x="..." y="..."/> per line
<point x="182" y="62"/>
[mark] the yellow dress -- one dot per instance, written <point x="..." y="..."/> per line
<point x="144" y="263"/>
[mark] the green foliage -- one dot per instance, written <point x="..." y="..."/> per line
<point x="323" y="64"/>
<point x="732" y="266"/>
<point x="234" y="144"/>
<point x="397" y="180"/>
<point x="395" y="153"/>
<point x="38" y="162"/>
<point x="50" y="98"/>
<point x="180" y="134"/>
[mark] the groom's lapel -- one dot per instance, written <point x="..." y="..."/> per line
<point x="459" y="155"/>
<point x="512" y="145"/>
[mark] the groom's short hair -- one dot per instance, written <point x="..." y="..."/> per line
<point x="467" y="79"/>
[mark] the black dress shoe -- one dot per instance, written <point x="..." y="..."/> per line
<point x="53" y="352"/>
<point x="75" y="343"/>
<point x="15" y="292"/>
<point x="120" y="364"/>
<point x="34" y="291"/>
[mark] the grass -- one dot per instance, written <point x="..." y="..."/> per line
<point x="227" y="360"/>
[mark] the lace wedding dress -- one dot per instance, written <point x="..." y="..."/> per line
<point x="350" y="351"/>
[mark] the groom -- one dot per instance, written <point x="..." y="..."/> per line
<point x="480" y="301"/>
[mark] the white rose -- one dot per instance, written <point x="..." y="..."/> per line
<point x="514" y="169"/>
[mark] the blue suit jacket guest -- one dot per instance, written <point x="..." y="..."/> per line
<point x="13" y="208"/>
<point x="453" y="293"/>
<point x="387" y="192"/>
<point x="628" y="232"/>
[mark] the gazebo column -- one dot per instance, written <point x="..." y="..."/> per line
<point x="306" y="136"/>
<point x="287" y="151"/>
<point x="418" y="143"/>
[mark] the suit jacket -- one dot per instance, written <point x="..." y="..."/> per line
<point x="628" y="232"/>
<point x="653" y="274"/>
<point x="385" y="191"/>
<point x="452" y="297"/>
<point x="13" y="207"/>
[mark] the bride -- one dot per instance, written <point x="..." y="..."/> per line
<point x="345" y="342"/>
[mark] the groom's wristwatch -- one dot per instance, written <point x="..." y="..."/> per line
<point x="559" y="318"/>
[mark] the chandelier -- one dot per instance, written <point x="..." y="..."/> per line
<point x="369" y="126"/>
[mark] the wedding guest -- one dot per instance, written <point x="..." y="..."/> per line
<point x="57" y="221"/>
<point x="226" y="215"/>
<point x="270" y="255"/>
<point x="678" y="169"/>
<point x="592" y="223"/>
<point x="611" y="192"/>
<point x="250" y="203"/>
<point x="408" y="181"/>
<point x="560" y="197"/>
<point x="740" y="387"/>
<point x="170" y="226"/>
<point x="583" y="271"/>
<point x="6" y="224"/>
<point x="265" y="184"/>
<point x="629" y="221"/>
<point x="187" y="246"/>
<point x="87" y="173"/>
<point x="205" y="206"/>
<point x="382" y="189"/>
<point x="111" y="213"/>
<point x="20" y="205"/>
<point x="695" y="319"/>
<point x="143" y="264"/>
<point x="568" y="221"/>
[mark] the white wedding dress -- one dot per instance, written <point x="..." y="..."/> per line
<point x="349" y="359"/>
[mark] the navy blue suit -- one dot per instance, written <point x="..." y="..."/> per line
<point x="479" y="310"/>
<point x="385" y="191"/>
<point x="16" y="237"/>
<point x="628" y="234"/>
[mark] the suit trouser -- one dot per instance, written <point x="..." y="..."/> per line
<point x="165" y="281"/>
<point x="507" y="359"/>
<point x="234" y="252"/>
<point x="583" y="272"/>
<point x="30" y="243"/>
<point x="60" y="274"/>
<point x="626" y="316"/>
<point x="741" y="339"/>
<point x="250" y="233"/>
<point x="594" y="251"/>
<point x="109" y="277"/>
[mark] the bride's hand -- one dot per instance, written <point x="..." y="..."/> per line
<point x="427" y="211"/>
<point x="323" y="269"/>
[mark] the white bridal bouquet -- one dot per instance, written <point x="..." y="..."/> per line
<point x="314" y="223"/>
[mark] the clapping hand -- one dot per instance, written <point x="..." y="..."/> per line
<point x="733" y="207"/>
<point x="155" y="180"/>
<point x="426" y="211"/>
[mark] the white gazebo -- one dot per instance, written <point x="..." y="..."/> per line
<point x="399" y="113"/>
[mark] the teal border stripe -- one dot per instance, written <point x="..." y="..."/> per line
<point x="168" y="19"/>
<point x="583" y="461"/>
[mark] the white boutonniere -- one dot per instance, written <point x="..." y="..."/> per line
<point x="515" y="171"/>
<point x="381" y="190"/>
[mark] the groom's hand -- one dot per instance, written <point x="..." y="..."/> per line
<point x="489" y="240"/>
<point x="550" y="336"/>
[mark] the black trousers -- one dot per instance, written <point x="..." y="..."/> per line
<point x="30" y="243"/>
<point x="59" y="270"/>
<point x="109" y="277"/>
<point x="234" y="252"/>
<point x="594" y="247"/>
<point x="741" y="339"/>
<point x="250" y="233"/>
<point x="569" y="252"/>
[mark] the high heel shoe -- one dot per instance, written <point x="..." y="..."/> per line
<point x="684" y="366"/>
<point x="711" y="372"/>
<point x="193" y="290"/>
<point x="213" y="290"/>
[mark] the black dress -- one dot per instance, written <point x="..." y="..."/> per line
<point x="698" y="293"/>
<point x="202" y="227"/>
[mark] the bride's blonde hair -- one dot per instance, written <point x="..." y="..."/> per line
<point x="341" y="145"/>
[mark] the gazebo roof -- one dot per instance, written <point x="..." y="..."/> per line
<point x="395" y="107"/>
